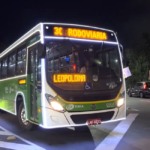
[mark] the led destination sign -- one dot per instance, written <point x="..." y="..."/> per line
<point x="80" y="33"/>
<point x="64" y="78"/>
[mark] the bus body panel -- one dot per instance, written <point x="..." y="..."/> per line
<point x="9" y="90"/>
<point x="49" y="103"/>
<point x="82" y="112"/>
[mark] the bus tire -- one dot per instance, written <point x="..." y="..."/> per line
<point x="25" y="124"/>
<point x="2" y="111"/>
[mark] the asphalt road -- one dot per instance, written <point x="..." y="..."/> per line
<point x="130" y="134"/>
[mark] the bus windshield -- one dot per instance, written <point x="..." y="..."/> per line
<point x="78" y="68"/>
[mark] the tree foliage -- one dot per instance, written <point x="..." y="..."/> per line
<point x="139" y="60"/>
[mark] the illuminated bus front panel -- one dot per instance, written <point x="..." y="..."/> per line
<point x="83" y="71"/>
<point x="79" y="32"/>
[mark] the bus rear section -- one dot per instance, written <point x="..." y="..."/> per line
<point x="83" y="83"/>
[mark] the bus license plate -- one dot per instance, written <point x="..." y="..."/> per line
<point x="94" y="121"/>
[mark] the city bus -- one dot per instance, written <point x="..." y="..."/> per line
<point x="63" y="75"/>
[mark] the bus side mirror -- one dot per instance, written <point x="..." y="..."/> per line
<point x="126" y="69"/>
<point x="121" y="50"/>
<point x="124" y="58"/>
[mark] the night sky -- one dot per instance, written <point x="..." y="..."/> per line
<point x="129" y="18"/>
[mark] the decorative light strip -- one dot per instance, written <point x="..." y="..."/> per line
<point x="84" y="40"/>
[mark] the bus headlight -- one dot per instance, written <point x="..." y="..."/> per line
<point x="54" y="104"/>
<point x="120" y="102"/>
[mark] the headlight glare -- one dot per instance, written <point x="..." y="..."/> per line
<point x="54" y="104"/>
<point x="120" y="102"/>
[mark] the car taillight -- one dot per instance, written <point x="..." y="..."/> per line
<point x="145" y="86"/>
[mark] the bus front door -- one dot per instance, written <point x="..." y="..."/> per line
<point x="34" y="81"/>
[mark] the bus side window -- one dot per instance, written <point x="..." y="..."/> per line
<point x="4" y="68"/>
<point x="11" y="65"/>
<point x="0" y="69"/>
<point x="38" y="69"/>
<point x="21" y="61"/>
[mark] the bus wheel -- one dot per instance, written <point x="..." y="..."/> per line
<point x="2" y="111"/>
<point x="22" y="118"/>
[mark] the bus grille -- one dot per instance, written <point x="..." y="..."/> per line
<point x="79" y="119"/>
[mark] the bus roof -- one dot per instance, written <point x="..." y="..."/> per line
<point x="39" y="28"/>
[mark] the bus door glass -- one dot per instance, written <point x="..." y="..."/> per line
<point x="34" y="80"/>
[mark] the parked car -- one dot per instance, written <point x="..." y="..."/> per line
<point x="140" y="89"/>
